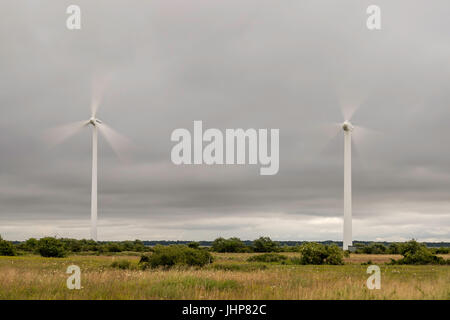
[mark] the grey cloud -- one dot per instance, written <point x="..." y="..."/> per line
<point x="234" y="64"/>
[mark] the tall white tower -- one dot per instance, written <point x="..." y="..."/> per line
<point x="94" y="181"/>
<point x="348" y="128"/>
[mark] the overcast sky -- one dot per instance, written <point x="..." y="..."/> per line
<point x="287" y="64"/>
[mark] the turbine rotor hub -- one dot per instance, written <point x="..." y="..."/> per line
<point x="347" y="126"/>
<point x="94" y="121"/>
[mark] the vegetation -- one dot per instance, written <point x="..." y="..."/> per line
<point x="316" y="253"/>
<point x="194" y="245"/>
<point x="229" y="245"/>
<point x="51" y="247"/>
<point x="229" y="277"/>
<point x="121" y="264"/>
<point x="175" y="255"/>
<point x="268" y="257"/>
<point x="265" y="244"/>
<point x="396" y="248"/>
<point x="373" y="248"/>
<point x="442" y="250"/>
<point x="232" y="245"/>
<point x="417" y="253"/>
<point x="6" y="248"/>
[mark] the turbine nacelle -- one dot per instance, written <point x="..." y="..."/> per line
<point x="94" y="121"/>
<point x="347" y="126"/>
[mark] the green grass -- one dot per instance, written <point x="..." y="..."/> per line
<point x="231" y="276"/>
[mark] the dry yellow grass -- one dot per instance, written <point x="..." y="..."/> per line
<point x="32" y="277"/>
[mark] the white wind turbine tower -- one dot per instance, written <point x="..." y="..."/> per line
<point x="116" y="141"/>
<point x="351" y="132"/>
<point x="348" y="128"/>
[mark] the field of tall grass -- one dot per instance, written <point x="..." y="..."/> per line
<point x="229" y="277"/>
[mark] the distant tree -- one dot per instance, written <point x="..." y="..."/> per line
<point x="72" y="245"/>
<point x="194" y="245"/>
<point x="139" y="246"/>
<point x="394" y="248"/>
<point x="417" y="253"/>
<point x="441" y="250"/>
<point x="373" y="248"/>
<point x="51" y="247"/>
<point x="114" y="247"/>
<point x="175" y="255"/>
<point x="265" y="244"/>
<point x="31" y="244"/>
<point x="316" y="253"/>
<point x="6" y="248"/>
<point x="228" y="245"/>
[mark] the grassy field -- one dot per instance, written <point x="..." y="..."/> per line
<point x="229" y="277"/>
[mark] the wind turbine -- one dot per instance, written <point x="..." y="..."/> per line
<point x="115" y="139"/>
<point x="348" y="110"/>
<point x="353" y="134"/>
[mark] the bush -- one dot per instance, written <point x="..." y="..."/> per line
<point x="441" y="250"/>
<point x="175" y="255"/>
<point x="268" y="257"/>
<point x="194" y="245"/>
<point x="229" y="245"/>
<point x="287" y="248"/>
<point x="315" y="253"/>
<point x="6" y="248"/>
<point x="411" y="247"/>
<point x="373" y="248"/>
<point x="121" y="264"/>
<point x="394" y="248"/>
<point x="114" y="247"/>
<point x="51" y="247"/>
<point x="265" y="244"/>
<point x="418" y="254"/>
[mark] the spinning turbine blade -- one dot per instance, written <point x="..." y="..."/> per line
<point x="332" y="130"/>
<point x="98" y="89"/>
<point x="363" y="133"/>
<point x="348" y="110"/>
<point x="329" y="132"/>
<point x="119" y="143"/>
<point x="350" y="100"/>
<point x="57" y="135"/>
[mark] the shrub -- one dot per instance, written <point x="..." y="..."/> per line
<point x="114" y="247"/>
<point x="30" y="245"/>
<point x="315" y="253"/>
<point x="441" y="250"/>
<point x="194" y="245"/>
<point x="287" y="248"/>
<point x="6" y="248"/>
<point x="72" y="245"/>
<point x="417" y="253"/>
<point x="394" y="248"/>
<point x="265" y="244"/>
<point x="175" y="255"/>
<point x="373" y="248"/>
<point x="229" y="245"/>
<point x="51" y="247"/>
<point x="267" y="257"/>
<point x="411" y="247"/>
<point x="121" y="264"/>
<point x="334" y="255"/>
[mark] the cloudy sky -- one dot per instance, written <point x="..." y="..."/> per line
<point x="290" y="65"/>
